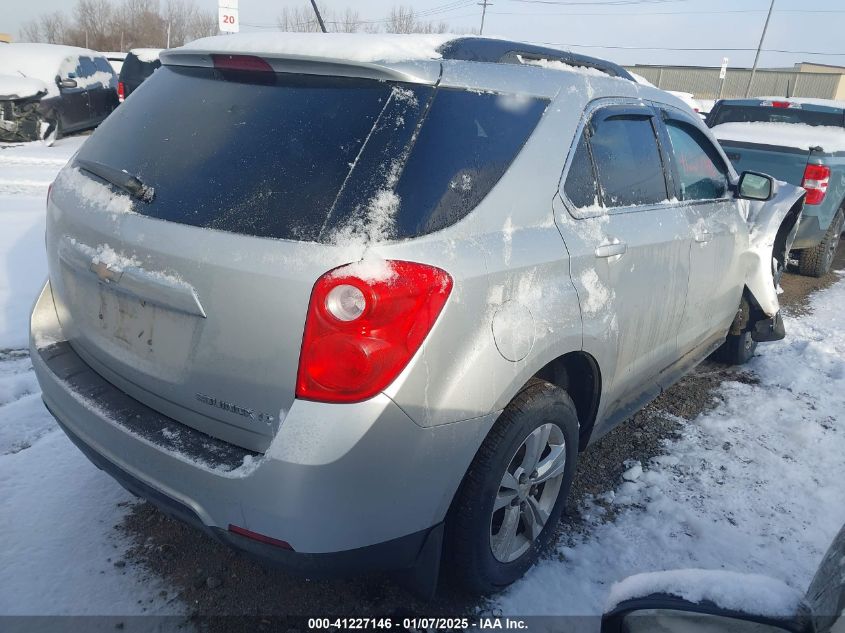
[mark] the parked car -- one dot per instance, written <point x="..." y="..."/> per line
<point x="383" y="328"/>
<point x="800" y="141"/>
<point x="139" y="64"/>
<point x="692" y="600"/>
<point x="116" y="60"/>
<point x="67" y="89"/>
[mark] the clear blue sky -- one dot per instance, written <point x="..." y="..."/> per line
<point x="797" y="25"/>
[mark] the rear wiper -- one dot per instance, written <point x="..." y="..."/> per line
<point x="119" y="178"/>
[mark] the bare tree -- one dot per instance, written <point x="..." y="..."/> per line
<point x="50" y="28"/>
<point x="403" y="19"/>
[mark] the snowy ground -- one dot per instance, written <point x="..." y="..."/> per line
<point x="57" y="511"/>
<point x="755" y="485"/>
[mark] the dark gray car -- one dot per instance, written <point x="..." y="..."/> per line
<point x="67" y="89"/>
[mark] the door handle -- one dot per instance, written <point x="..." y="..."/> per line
<point x="616" y="249"/>
<point x="703" y="237"/>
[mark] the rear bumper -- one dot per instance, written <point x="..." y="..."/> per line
<point x="401" y="553"/>
<point x="350" y="487"/>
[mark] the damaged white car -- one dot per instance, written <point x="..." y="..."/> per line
<point x="427" y="273"/>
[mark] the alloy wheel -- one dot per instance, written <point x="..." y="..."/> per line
<point x="527" y="493"/>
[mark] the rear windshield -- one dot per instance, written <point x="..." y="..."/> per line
<point x="764" y="114"/>
<point x="311" y="158"/>
<point x="134" y="68"/>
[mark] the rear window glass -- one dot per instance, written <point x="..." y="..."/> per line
<point x="628" y="164"/>
<point x="134" y="68"/>
<point x="760" y="114"/>
<point x="306" y="157"/>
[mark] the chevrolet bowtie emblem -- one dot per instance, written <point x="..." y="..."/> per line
<point x="105" y="273"/>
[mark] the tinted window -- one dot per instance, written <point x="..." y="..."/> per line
<point x="308" y="156"/>
<point x="86" y="67"/>
<point x="103" y="65"/>
<point x="627" y="160"/>
<point x="580" y="186"/>
<point x="467" y="142"/>
<point x="136" y="70"/>
<point x="701" y="173"/>
<point x="753" y="114"/>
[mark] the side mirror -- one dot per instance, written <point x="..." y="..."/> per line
<point x="67" y="83"/>
<point x="673" y="615"/>
<point x="754" y="186"/>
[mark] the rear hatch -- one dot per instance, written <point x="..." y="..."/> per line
<point x="136" y="69"/>
<point x="186" y="235"/>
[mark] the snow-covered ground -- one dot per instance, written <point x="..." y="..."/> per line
<point x="57" y="511"/>
<point x="755" y="485"/>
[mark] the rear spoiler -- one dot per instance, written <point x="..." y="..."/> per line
<point x="416" y="72"/>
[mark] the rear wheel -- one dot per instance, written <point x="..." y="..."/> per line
<point x="816" y="262"/>
<point x="511" y="499"/>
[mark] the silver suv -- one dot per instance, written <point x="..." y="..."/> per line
<point x="354" y="315"/>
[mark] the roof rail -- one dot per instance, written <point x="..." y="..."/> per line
<point x="480" y="49"/>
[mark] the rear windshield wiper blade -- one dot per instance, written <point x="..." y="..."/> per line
<point x="119" y="178"/>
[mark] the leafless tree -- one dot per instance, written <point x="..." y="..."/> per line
<point x="403" y="19"/>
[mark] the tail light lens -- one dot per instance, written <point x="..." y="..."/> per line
<point x="361" y="332"/>
<point x="121" y="91"/>
<point x="816" y="180"/>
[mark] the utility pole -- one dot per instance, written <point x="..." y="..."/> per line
<point x="168" y="34"/>
<point x="759" y="47"/>
<point x="483" y="4"/>
<point x="319" y="17"/>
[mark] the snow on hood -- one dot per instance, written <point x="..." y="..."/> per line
<point x="147" y="54"/>
<point x="749" y="593"/>
<point x="357" y="47"/>
<point x="41" y="61"/>
<point x="798" y="135"/>
<point x="18" y="87"/>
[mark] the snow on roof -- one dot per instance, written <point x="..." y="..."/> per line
<point x="798" y="135"/>
<point x="41" y="61"/>
<point x="750" y="593"/>
<point x="111" y="55"/>
<point x="17" y="87"/>
<point x="146" y="54"/>
<point x="555" y="64"/>
<point x="357" y="47"/>
<point x="641" y="80"/>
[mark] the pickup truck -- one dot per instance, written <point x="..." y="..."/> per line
<point x="802" y="142"/>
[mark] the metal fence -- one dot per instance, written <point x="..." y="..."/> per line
<point x="704" y="83"/>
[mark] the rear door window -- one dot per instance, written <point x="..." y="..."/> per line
<point x="627" y="160"/>
<point x="701" y="173"/>
<point x="308" y="157"/>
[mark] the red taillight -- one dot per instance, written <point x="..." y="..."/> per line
<point x="816" y="180"/>
<point x="261" y="538"/>
<point x="241" y="62"/>
<point x="361" y="330"/>
<point x="121" y="91"/>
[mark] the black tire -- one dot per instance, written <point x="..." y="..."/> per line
<point x="468" y="547"/>
<point x="737" y="349"/>
<point x="816" y="261"/>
